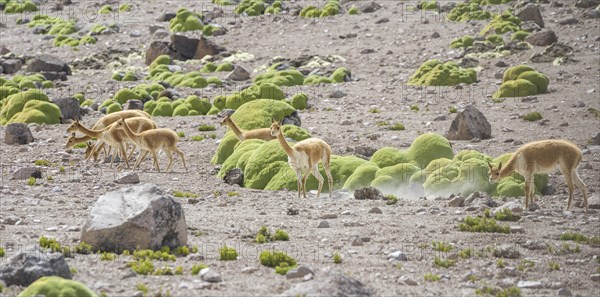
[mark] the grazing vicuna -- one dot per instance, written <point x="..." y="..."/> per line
<point x="103" y="135"/>
<point x="304" y="158"/>
<point x="261" y="133"/>
<point x="152" y="141"/>
<point x="543" y="156"/>
<point x="137" y="124"/>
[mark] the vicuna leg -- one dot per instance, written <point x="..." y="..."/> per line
<point x="579" y="183"/>
<point x="306" y="174"/>
<point x="569" y="179"/>
<point x="124" y="153"/>
<point x="155" y="160"/>
<point x="299" y="178"/>
<point x="142" y="156"/>
<point x="170" y="155"/>
<point x="319" y="177"/>
<point x="180" y="153"/>
<point x="328" y="173"/>
<point x="528" y="186"/>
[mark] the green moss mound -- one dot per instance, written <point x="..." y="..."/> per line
<point x="54" y="286"/>
<point x="353" y="10"/>
<point x="300" y="101"/>
<point x="390" y="178"/>
<point x="389" y="156"/>
<point x="362" y="176"/>
<point x="462" y="42"/>
<point x="436" y="73"/>
<point x="503" y="23"/>
<point x="19" y="6"/>
<point x="428" y="5"/>
<point x="290" y="77"/>
<point x="514" y="184"/>
<point x="186" y="20"/>
<point x="519" y="35"/>
<point x="31" y="106"/>
<point x="522" y="80"/>
<point x="331" y="8"/>
<point x="428" y="147"/>
<point x="468" y="11"/>
<point x="340" y="75"/>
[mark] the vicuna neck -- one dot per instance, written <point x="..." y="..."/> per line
<point x="128" y="131"/>
<point x="509" y="167"/>
<point x="235" y="129"/>
<point x="90" y="132"/>
<point x="286" y="146"/>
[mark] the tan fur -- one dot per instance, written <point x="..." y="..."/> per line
<point x="261" y="133"/>
<point x="304" y="157"/>
<point x="103" y="122"/>
<point x="544" y="156"/>
<point x="137" y="124"/>
<point x="103" y="135"/>
<point x="152" y="141"/>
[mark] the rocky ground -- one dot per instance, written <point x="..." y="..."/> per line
<point x="382" y="49"/>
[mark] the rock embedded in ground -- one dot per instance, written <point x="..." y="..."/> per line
<point x="17" y="133"/>
<point x="468" y="124"/>
<point x="69" y="108"/>
<point x="299" y="272"/>
<point x="531" y="12"/>
<point x="568" y="21"/>
<point x="398" y="256"/>
<point x="530" y="285"/>
<point x="133" y="104"/>
<point x="11" y="66"/>
<point x="506" y="251"/>
<point x="210" y="275"/>
<point x="128" y="178"/>
<point x="234" y="176"/>
<point x="368" y="193"/>
<point x="48" y="63"/>
<point x="239" y="73"/>
<point x="323" y="224"/>
<point x="26" y="266"/>
<point x="369" y="7"/>
<point x="138" y="217"/>
<point x="542" y="38"/>
<point x="331" y="284"/>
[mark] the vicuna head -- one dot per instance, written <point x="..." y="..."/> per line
<point x="225" y="120"/>
<point x="71" y="141"/>
<point x="120" y="124"/>
<point x="74" y="127"/>
<point x="90" y="152"/>
<point x="494" y="173"/>
<point x="275" y="128"/>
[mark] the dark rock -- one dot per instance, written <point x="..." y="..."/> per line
<point x="158" y="48"/>
<point x="133" y="104"/>
<point x="506" y="251"/>
<point x="207" y="47"/>
<point x="501" y="64"/>
<point x="161" y="33"/>
<point x="18" y="133"/>
<point x="169" y="93"/>
<point x="225" y="112"/>
<point x="368" y="193"/>
<point x="69" y="108"/>
<point x="367" y="51"/>
<point x="556" y="50"/>
<point x="167" y="16"/>
<point x="27" y="172"/>
<point x="478" y="199"/>
<point x="128" y="178"/>
<point x="369" y="7"/>
<point x="568" y="21"/>
<point x="49" y="75"/>
<point x="592" y="14"/>
<point x="292" y="119"/>
<point x="138" y="217"/>
<point x="332" y="285"/>
<point x="153" y="28"/>
<point x="596" y="139"/>
<point x="468" y="63"/>
<point x="531" y="12"/>
<point x="324" y="224"/>
<point x="184" y="45"/>
<point x="4" y="50"/>
<point x="28" y="265"/>
<point x="337" y="94"/>
<point x="234" y="176"/>
<point x="382" y="20"/>
<point x="542" y="38"/>
<point x="298" y="272"/>
<point x="238" y="73"/>
<point x="48" y="63"/>
<point x="468" y="124"/>
<point x="375" y="210"/>
<point x="435" y="35"/>
<point x="456" y="201"/>
<point x="11" y="66"/>
<point x="587" y="3"/>
<point x="440" y="118"/>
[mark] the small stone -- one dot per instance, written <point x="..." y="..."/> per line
<point x="501" y="64"/>
<point x="530" y="284"/>
<point x="135" y="33"/>
<point x="323" y="224"/>
<point x="367" y="51"/>
<point x="595" y="277"/>
<point x="440" y="118"/>
<point x="510" y="271"/>
<point x="17" y="133"/>
<point x="11" y="66"/>
<point x="328" y="216"/>
<point x="337" y="94"/>
<point x="300" y="271"/>
<point x="375" y="210"/>
<point x="506" y="251"/>
<point x="161" y="33"/>
<point x="382" y="20"/>
<point x="357" y="242"/>
<point x="407" y="280"/>
<point x="249" y="270"/>
<point x="542" y="38"/>
<point x="398" y="256"/>
<point x="167" y="16"/>
<point x="368" y="193"/>
<point x="238" y="73"/>
<point x="517" y="229"/>
<point x="128" y="178"/>
<point x="564" y="292"/>
<point x="568" y="21"/>
<point x="234" y="176"/>
<point x="369" y="7"/>
<point x="435" y="35"/>
<point x="456" y="201"/>
<point x="210" y="275"/>
<point x="154" y="28"/>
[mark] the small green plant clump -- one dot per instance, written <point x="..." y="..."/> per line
<point x="181" y="134"/>
<point x="164" y="255"/>
<point x="227" y="254"/>
<point x="182" y="194"/>
<point x="397" y="127"/>
<point x="197" y="267"/>
<point x="278" y="260"/>
<point x="484" y="225"/>
<point x="512" y="291"/>
<point x="414" y="108"/>
<point x="337" y="258"/>
<point x="553" y="265"/>
<point x="2" y="252"/>
<point x="506" y="215"/>
<point x="142" y="288"/>
<point x="525" y="265"/>
<point x="232" y="194"/>
<point x="205" y="127"/>
<point x="165" y="270"/>
<point x="143" y="267"/>
<point x="106" y="256"/>
<point x="452" y="110"/>
<point x="182" y="251"/>
<point x="574" y="236"/>
<point x="500" y="263"/>
<point x="431" y="277"/>
<point x="42" y="162"/>
<point x="374" y="110"/>
<point x="391" y="199"/>
<point x="532" y="116"/>
<point x="197" y="138"/>
<point x="31" y="181"/>
<point x="264" y="235"/>
<point x="466" y="253"/>
<point x="83" y="248"/>
<point x="438" y="261"/>
<point x="441" y="246"/>
<point x="280" y="235"/>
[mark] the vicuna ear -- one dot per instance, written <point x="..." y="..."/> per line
<point x="73" y="134"/>
<point x="89" y="144"/>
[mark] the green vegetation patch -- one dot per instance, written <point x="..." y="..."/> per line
<point x="55" y="286"/>
<point x="520" y="81"/>
<point x="436" y="73"/>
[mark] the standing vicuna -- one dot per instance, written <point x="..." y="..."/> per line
<point x="152" y="141"/>
<point x="304" y="158"/>
<point x="543" y="156"/>
<point x="261" y="133"/>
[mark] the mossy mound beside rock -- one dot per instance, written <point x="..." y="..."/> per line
<point x="55" y="286"/>
<point x="186" y="20"/>
<point x="22" y="82"/>
<point x="19" y="6"/>
<point x="53" y="25"/>
<point x="462" y="42"/>
<point x="331" y="8"/>
<point x="258" y="7"/>
<point x="468" y="11"/>
<point x="436" y="73"/>
<point x="502" y="23"/>
<point x="520" y="81"/>
<point x="31" y="106"/>
<point x="161" y="70"/>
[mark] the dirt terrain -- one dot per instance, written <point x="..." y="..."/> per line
<point x="382" y="56"/>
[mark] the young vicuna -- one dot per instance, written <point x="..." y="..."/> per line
<point x="137" y="124"/>
<point x="103" y="135"/>
<point x="543" y="156"/>
<point x="262" y="133"/>
<point x="152" y="141"/>
<point x="304" y="158"/>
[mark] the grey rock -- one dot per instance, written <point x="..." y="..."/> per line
<point x="530" y="284"/>
<point x="510" y="271"/>
<point x="587" y="3"/>
<point x="154" y="28"/>
<point x="398" y="256"/>
<point x="369" y="7"/>
<point x="568" y="21"/>
<point x="161" y="33"/>
<point x="210" y="275"/>
<point x="138" y="217"/>
<point x="440" y="118"/>
<point x="69" y="108"/>
<point x="435" y="35"/>
<point x="292" y="119"/>
<point x="564" y="292"/>
<point x="368" y="193"/>
<point x="337" y="94"/>
<point x="517" y="229"/>
<point x="375" y="210"/>
<point x="595" y="277"/>
<point x="556" y="50"/>
<point x="531" y="12"/>
<point x="49" y="75"/>
<point x="506" y="251"/>
<point x="27" y="172"/>
<point x="169" y="93"/>
<point x="324" y="224"/>
<point x="542" y="38"/>
<point x="501" y="64"/>
<point x="534" y="245"/>
<point x="456" y="201"/>
<point x="225" y="112"/>
<point x="184" y="45"/>
<point x="158" y="48"/>
<point x="239" y="73"/>
<point x="468" y="124"/>
<point x="596" y="139"/>
<point x="135" y="33"/>
<point x="357" y="242"/>
<point x="249" y="270"/>
<point x="298" y="272"/>
<point x="207" y="47"/>
<point x="17" y="133"/>
<point x="48" y="63"/>
<point x="133" y="104"/>
<point x="407" y="280"/>
<point x="514" y="206"/>
<point x="128" y="178"/>
<point x="234" y="176"/>
<point x="332" y="284"/>
<point x="4" y="50"/>
<point x="11" y="66"/>
<point x="480" y="198"/>
<point x="592" y="14"/>
<point x="383" y="20"/>
<point x="26" y="266"/>
<point x="167" y="16"/>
